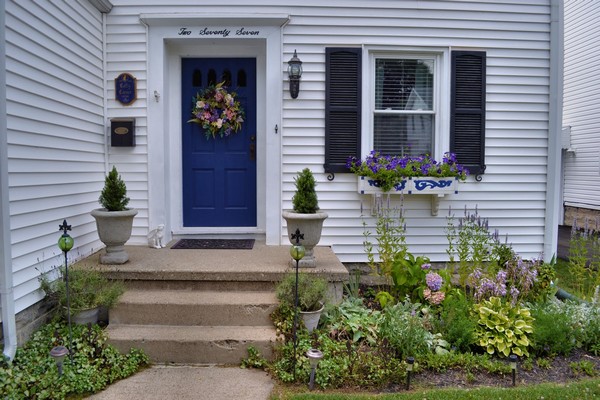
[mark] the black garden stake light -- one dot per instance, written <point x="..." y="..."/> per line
<point x="513" y="366"/>
<point x="297" y="252"/>
<point x="314" y="356"/>
<point x="410" y="362"/>
<point x="294" y="74"/>
<point x="65" y="243"/>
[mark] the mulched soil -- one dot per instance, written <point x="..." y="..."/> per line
<point x="559" y="371"/>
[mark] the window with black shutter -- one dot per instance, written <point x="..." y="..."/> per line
<point x="467" y="110"/>
<point x="342" y="107"/>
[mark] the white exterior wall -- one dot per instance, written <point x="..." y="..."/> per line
<point x="516" y="37"/>
<point x="582" y="104"/>
<point x="55" y="133"/>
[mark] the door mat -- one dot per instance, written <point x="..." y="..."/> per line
<point x="211" y="244"/>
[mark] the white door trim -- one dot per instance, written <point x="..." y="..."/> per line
<point x="165" y="50"/>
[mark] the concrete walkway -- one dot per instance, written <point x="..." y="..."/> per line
<point x="183" y="382"/>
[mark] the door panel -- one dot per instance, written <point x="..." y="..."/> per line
<point x="219" y="174"/>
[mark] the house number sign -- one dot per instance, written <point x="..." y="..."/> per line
<point x="125" y="89"/>
<point x="220" y="32"/>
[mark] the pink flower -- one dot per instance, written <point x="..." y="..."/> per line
<point x="218" y="96"/>
<point x="434" y="298"/>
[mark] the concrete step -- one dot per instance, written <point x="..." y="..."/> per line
<point x="193" y="344"/>
<point x="199" y="285"/>
<point x="207" y="308"/>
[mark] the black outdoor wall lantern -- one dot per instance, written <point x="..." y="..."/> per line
<point x="294" y="73"/>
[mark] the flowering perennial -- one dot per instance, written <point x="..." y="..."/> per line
<point x="390" y="170"/>
<point x="217" y="111"/>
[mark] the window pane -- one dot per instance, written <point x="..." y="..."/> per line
<point x="403" y="84"/>
<point x="404" y="134"/>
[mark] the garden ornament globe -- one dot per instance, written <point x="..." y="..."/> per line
<point x="297" y="252"/>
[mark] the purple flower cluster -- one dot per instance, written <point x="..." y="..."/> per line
<point x="522" y="275"/>
<point x="393" y="168"/>
<point x="484" y="287"/>
<point x="434" y="281"/>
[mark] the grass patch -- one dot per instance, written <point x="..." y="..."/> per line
<point x="564" y="279"/>
<point x="586" y="389"/>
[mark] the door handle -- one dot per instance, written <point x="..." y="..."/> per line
<point x="252" y="148"/>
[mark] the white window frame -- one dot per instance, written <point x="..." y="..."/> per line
<point x="441" y="90"/>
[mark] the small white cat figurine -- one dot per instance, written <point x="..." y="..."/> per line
<point x="155" y="237"/>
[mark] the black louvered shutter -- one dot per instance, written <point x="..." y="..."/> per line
<point x="342" y="107"/>
<point x="467" y="110"/>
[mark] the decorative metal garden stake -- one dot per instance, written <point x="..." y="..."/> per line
<point x="59" y="353"/>
<point x="513" y="365"/>
<point x="314" y="356"/>
<point x="297" y="252"/>
<point x="410" y="361"/>
<point x="65" y="243"/>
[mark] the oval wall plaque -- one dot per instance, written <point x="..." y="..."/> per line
<point x="126" y="88"/>
<point x="121" y="130"/>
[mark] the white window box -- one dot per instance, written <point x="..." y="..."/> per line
<point x="436" y="187"/>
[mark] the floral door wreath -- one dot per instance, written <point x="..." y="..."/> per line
<point x="217" y="111"/>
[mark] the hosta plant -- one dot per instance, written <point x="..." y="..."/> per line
<point x="503" y="328"/>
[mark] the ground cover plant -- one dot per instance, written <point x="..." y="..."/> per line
<point x="95" y="364"/>
<point x="459" y="322"/>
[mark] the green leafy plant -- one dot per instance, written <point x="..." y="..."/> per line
<point x="353" y="321"/>
<point x="305" y="199"/>
<point x="584" y="260"/>
<point x="391" y="241"/>
<point x="403" y="328"/>
<point x="473" y="245"/>
<point x="114" y="194"/>
<point x="88" y="288"/>
<point x="96" y="364"/>
<point x="583" y="367"/>
<point x="254" y="359"/>
<point x="312" y="291"/>
<point x="456" y="324"/>
<point x="552" y="331"/>
<point x="503" y="328"/>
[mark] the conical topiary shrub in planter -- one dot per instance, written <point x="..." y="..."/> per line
<point x="114" y="221"/>
<point x="306" y="217"/>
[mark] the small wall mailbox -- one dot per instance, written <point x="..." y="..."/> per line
<point x="122" y="132"/>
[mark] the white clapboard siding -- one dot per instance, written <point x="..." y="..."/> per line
<point x="581" y="172"/>
<point x="516" y="37"/>
<point x="55" y="133"/>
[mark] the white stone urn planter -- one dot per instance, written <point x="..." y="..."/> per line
<point x="89" y="316"/>
<point x="310" y="225"/>
<point x="114" y="230"/>
<point x="311" y="318"/>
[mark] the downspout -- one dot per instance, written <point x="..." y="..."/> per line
<point x="553" y="201"/>
<point x="104" y="97"/>
<point x="7" y="299"/>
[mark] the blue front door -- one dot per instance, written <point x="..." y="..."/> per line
<point x="219" y="174"/>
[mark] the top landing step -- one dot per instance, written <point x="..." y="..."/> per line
<point x="264" y="263"/>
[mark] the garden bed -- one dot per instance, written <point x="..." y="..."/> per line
<point x="461" y="323"/>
